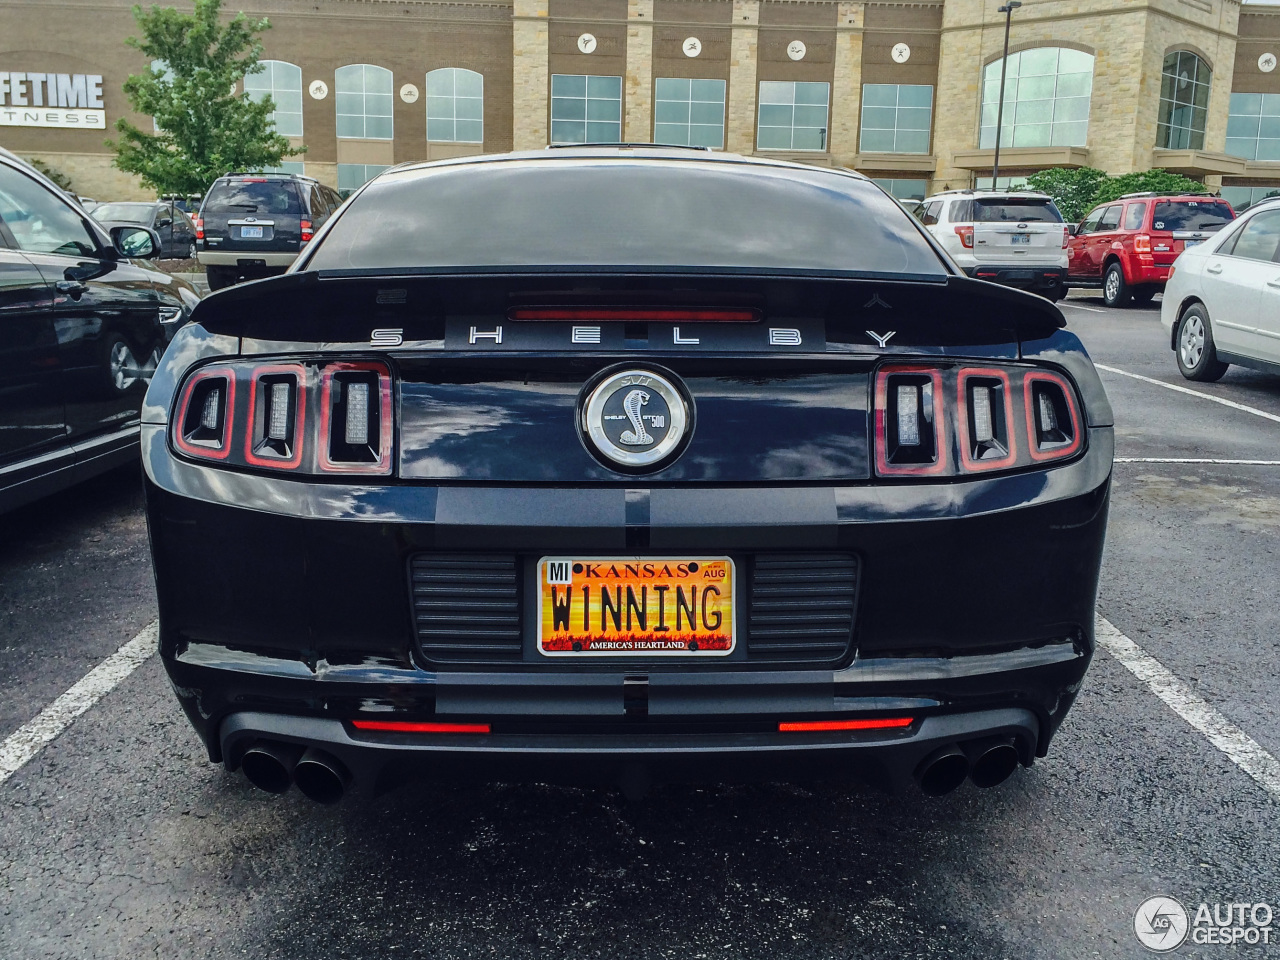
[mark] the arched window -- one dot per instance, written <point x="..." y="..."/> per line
<point x="1184" y="102"/>
<point x="364" y="102"/>
<point x="1046" y="99"/>
<point x="455" y="106"/>
<point x="282" y="82"/>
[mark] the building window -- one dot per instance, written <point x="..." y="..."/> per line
<point x="1046" y="99"/>
<point x="793" y="115"/>
<point x="586" y="109"/>
<point x="902" y="189"/>
<point x="1004" y="183"/>
<point x="1242" y="198"/>
<point x="282" y="82"/>
<point x="364" y="102"/>
<point x="455" y="106"/>
<point x="1253" y="126"/>
<point x="1184" y="102"/>
<point x="166" y="74"/>
<point x="353" y="176"/>
<point x="689" y="113"/>
<point x="896" y="117"/>
<point x="296" y="167"/>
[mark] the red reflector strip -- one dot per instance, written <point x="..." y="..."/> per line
<point x="632" y="313"/>
<point x="400" y="726"/>
<point x="822" y="726"/>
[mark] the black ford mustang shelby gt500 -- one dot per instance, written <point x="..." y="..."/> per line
<point x="625" y="464"/>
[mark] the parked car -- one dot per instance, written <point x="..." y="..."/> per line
<point x="1222" y="301"/>
<point x="1017" y="238"/>
<point x="625" y="465"/>
<point x="83" y="323"/>
<point x="253" y="225"/>
<point x="1127" y="246"/>
<point x="176" y="231"/>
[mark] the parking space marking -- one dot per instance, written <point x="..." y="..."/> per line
<point x="29" y="739"/>
<point x="1200" y="460"/>
<point x="1241" y="749"/>
<point x="1077" y="306"/>
<point x="1195" y="393"/>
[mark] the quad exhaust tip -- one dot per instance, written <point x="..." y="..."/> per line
<point x="269" y="765"/>
<point x="988" y="763"/>
<point x="992" y="761"/>
<point x="275" y="767"/>
<point x="942" y="771"/>
<point x="321" y="777"/>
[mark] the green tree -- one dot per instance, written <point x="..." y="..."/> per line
<point x="1157" y="181"/>
<point x="204" y="130"/>
<point x="1072" y="189"/>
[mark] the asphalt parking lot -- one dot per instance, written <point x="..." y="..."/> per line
<point x="118" y="838"/>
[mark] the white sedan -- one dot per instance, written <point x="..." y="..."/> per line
<point x="1222" y="301"/>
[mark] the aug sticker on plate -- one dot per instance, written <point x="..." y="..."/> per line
<point x="635" y="606"/>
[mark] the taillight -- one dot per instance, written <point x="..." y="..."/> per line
<point x="206" y="409"/>
<point x="355" y="418"/>
<point x="966" y="236"/>
<point x="199" y="222"/>
<point x="918" y="407"/>
<point x="307" y="232"/>
<point x="1141" y="243"/>
<point x="277" y="429"/>
<point x="1066" y="235"/>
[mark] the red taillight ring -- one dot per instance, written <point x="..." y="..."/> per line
<point x="883" y="466"/>
<point x="324" y="461"/>
<point x="222" y="451"/>
<point x="1068" y="393"/>
<point x="962" y="415"/>
<point x="299" y="372"/>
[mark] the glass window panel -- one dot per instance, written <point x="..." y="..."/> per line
<point x="989" y="114"/>
<point x="469" y="108"/>
<point x="1074" y="61"/>
<point x="706" y="135"/>
<point x="809" y="116"/>
<point x="351" y="104"/>
<point x="675" y="133"/>
<point x="470" y="131"/>
<point x="1032" y="135"/>
<point x="378" y="104"/>
<point x="287" y="101"/>
<point x="1042" y="62"/>
<point x="1247" y="149"/>
<point x="1033" y="111"/>
<point x="1242" y="126"/>
<point x="1073" y="108"/>
<point x="668" y="111"/>
<point x="1269" y="127"/>
<point x="378" y="128"/>
<point x="604" y="132"/>
<point x="670" y="88"/>
<point x="774" y="91"/>
<point x="565" y="85"/>
<point x="440" y="83"/>
<point x="568" y="131"/>
<point x="912" y="141"/>
<point x="605" y="87"/>
<point x="708" y="90"/>
<point x="915" y="95"/>
<point x="1036" y="88"/>
<point x="441" y="107"/>
<point x="350" y="126"/>
<point x="774" y="138"/>
<point x="879" y="95"/>
<point x="1050" y="99"/>
<point x="604" y="110"/>
<point x="377" y="80"/>
<point x="1268" y="150"/>
<point x="1074" y="85"/>
<point x="563" y="108"/>
<point x="879" y="118"/>
<point x="468" y="83"/>
<point x="440" y="130"/>
<point x="1246" y="104"/>
<point x="1271" y="104"/>
<point x="813" y="93"/>
<point x="913" y="118"/>
<point x="772" y="115"/>
<point x="877" y="141"/>
<point x="1070" y="134"/>
<point x="706" y="113"/>
<point x="806" y="138"/>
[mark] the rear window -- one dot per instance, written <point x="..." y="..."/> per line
<point x="1190" y="215"/>
<point x="1019" y="211"/>
<point x="237" y="197"/>
<point x="600" y="213"/>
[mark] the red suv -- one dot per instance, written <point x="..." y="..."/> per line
<point x="1127" y="246"/>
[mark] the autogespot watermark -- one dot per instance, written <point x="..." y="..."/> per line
<point x="1163" y="924"/>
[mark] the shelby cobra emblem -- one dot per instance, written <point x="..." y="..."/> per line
<point x="635" y="418"/>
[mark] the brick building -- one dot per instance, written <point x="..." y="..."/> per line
<point x="902" y="90"/>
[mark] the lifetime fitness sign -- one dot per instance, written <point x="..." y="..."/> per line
<point x="68" y="100"/>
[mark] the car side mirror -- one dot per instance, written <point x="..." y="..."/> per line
<point x="164" y="222"/>
<point x="135" y="243"/>
<point x="1073" y="228"/>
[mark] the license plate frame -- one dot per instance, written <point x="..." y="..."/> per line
<point x="610" y="629"/>
<point x="1188" y="244"/>
<point x="1023" y="239"/>
<point x="251" y="233"/>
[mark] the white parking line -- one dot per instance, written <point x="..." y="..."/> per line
<point x="1195" y="393"/>
<point x="1200" y="460"/>
<point x="1077" y="306"/>
<point x="1241" y="749"/>
<point x="29" y="739"/>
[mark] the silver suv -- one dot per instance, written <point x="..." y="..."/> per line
<point x="1017" y="238"/>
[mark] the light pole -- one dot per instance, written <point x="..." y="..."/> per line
<point x="1007" y="10"/>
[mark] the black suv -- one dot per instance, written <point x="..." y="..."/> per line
<point x="253" y="225"/>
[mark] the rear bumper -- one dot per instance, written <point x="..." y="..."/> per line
<point x="378" y="763"/>
<point x="1145" y="272"/>
<point x="1026" y="276"/>
<point x="246" y="258"/>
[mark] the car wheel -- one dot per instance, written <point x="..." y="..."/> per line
<point x="1197" y="358"/>
<point x="1115" y="292"/>
<point x="1144" y="294"/>
<point x="219" y="277"/>
<point x="191" y="250"/>
<point x="118" y="364"/>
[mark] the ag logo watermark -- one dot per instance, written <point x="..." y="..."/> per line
<point x="1163" y="924"/>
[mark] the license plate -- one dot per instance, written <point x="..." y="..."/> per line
<point x="250" y="233"/>
<point x="635" y="606"/>
<point x="1020" y="238"/>
<point x="1190" y="243"/>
